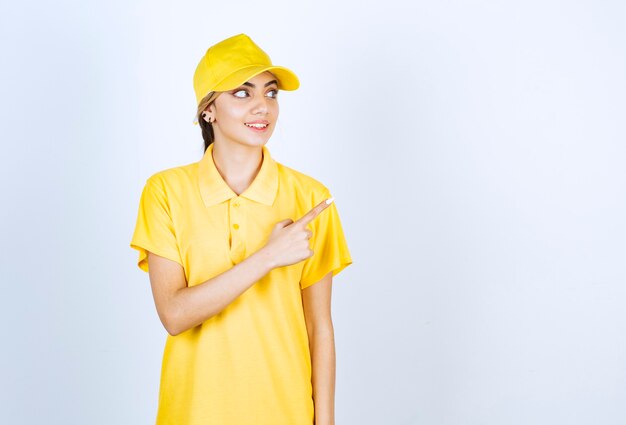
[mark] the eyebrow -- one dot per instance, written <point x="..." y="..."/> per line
<point x="266" y="84"/>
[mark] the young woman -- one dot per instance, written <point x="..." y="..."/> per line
<point x="241" y="251"/>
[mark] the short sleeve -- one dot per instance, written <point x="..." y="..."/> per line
<point x="328" y="242"/>
<point x="154" y="230"/>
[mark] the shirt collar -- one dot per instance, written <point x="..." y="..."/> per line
<point x="214" y="189"/>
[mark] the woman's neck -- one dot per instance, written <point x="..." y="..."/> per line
<point x="237" y="164"/>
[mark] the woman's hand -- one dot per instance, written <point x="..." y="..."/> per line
<point x="289" y="241"/>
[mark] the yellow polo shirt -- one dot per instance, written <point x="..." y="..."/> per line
<point x="250" y="364"/>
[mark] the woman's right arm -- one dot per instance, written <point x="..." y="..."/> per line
<point x="181" y="307"/>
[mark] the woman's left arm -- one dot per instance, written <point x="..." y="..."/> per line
<point x="316" y="300"/>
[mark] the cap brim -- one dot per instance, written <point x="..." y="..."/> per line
<point x="287" y="79"/>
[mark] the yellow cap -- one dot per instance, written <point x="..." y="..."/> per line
<point x="233" y="61"/>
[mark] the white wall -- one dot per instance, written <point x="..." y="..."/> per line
<point x="476" y="152"/>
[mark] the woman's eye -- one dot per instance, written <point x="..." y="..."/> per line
<point x="245" y="93"/>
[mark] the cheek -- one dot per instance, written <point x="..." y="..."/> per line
<point x="233" y="114"/>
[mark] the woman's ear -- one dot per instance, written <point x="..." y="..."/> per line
<point x="207" y="114"/>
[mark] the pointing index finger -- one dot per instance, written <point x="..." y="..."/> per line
<point x="314" y="212"/>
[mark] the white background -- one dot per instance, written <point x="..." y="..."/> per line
<point x="476" y="151"/>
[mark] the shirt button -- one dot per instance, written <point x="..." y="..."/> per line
<point x="236" y="226"/>
<point x="235" y="204"/>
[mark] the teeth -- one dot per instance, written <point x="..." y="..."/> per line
<point x="257" y="125"/>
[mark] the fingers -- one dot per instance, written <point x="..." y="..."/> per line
<point x="315" y="211"/>
<point x="283" y="223"/>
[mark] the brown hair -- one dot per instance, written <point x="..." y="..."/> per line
<point x="207" y="128"/>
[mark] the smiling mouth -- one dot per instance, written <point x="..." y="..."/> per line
<point x="257" y="126"/>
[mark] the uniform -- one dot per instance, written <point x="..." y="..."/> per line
<point x="250" y="364"/>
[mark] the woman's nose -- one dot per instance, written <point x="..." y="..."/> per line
<point x="260" y="106"/>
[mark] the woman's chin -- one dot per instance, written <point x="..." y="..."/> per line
<point x="254" y="142"/>
<point x="258" y="140"/>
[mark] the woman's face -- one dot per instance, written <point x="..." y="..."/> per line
<point x="236" y="112"/>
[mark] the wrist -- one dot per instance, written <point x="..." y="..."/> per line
<point x="265" y="259"/>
